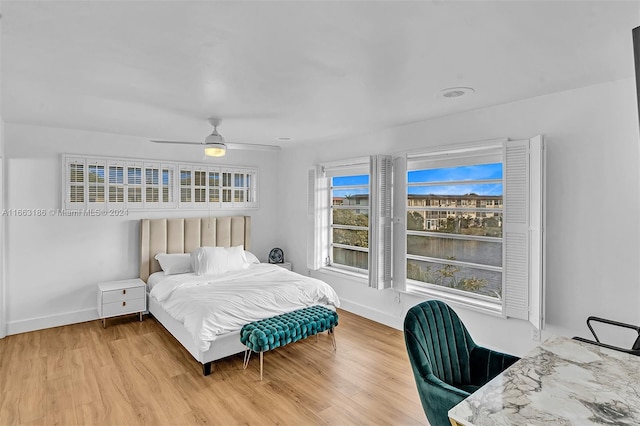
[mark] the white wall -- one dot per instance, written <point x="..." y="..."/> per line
<point x="592" y="206"/>
<point x="54" y="263"/>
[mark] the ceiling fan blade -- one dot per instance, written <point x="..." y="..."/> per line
<point x="252" y="146"/>
<point x="178" y="142"/>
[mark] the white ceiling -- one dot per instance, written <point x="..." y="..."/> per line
<point x="299" y="69"/>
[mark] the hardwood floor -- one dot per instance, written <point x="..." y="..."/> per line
<point x="137" y="373"/>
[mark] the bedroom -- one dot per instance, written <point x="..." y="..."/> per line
<point x="100" y="80"/>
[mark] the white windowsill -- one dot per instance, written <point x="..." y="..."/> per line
<point x="485" y="307"/>
<point x="344" y="273"/>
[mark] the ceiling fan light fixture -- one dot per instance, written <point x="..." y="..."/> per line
<point x="215" y="150"/>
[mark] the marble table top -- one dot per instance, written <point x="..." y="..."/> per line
<point x="560" y="382"/>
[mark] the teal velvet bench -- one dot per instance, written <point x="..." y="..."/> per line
<point x="270" y="333"/>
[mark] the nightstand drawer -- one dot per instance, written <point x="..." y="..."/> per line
<point x="123" y="307"/>
<point x="122" y="294"/>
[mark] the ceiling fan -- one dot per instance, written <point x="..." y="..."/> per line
<point x="215" y="145"/>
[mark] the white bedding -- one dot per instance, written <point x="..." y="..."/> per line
<point x="212" y="305"/>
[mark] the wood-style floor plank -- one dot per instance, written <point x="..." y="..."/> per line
<point x="136" y="373"/>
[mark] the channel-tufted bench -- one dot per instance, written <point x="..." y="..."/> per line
<point x="270" y="333"/>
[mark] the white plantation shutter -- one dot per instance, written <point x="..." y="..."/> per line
<point x="116" y="184"/>
<point x="523" y="255"/>
<point x="96" y="184"/>
<point x="537" y="234"/>
<point x="400" y="224"/>
<point x="317" y="206"/>
<point x="75" y="182"/>
<point x="133" y="184"/>
<point x="380" y="221"/>
<point x="168" y="186"/>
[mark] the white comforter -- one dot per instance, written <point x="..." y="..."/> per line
<point x="212" y="305"/>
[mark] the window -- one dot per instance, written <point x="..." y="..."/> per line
<point x="226" y="187"/>
<point x="96" y="183"/>
<point x="185" y="185"/>
<point x="93" y="182"/>
<point x="116" y="184"/>
<point x="469" y="226"/>
<point x="349" y="222"/>
<point x="458" y="248"/>
<point x="134" y="184"/>
<point x="76" y="182"/>
<point x="349" y="212"/>
<point x="214" y="186"/>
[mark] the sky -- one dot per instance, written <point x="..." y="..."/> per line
<point x="436" y="179"/>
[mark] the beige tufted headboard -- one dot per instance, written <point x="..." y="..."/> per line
<point x="183" y="235"/>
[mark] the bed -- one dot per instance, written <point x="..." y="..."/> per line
<point x="218" y="335"/>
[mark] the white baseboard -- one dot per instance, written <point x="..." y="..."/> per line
<point x="32" y="324"/>
<point x="40" y="323"/>
<point x="372" y="314"/>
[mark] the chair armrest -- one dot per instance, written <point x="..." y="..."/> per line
<point x="485" y="364"/>
<point x="438" y="398"/>
<point x="453" y="391"/>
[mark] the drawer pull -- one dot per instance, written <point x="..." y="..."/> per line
<point x="124" y="291"/>
<point x="124" y="303"/>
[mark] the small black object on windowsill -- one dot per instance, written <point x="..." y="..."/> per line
<point x="276" y="255"/>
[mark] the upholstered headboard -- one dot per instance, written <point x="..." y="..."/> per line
<point x="183" y="235"/>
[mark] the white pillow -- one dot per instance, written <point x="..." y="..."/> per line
<point x="236" y="258"/>
<point x="218" y="260"/>
<point x="209" y="260"/>
<point x="174" y="263"/>
<point x="250" y="257"/>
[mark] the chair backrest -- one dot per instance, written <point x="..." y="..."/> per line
<point x="438" y="343"/>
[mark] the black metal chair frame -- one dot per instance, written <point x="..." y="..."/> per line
<point x="635" y="348"/>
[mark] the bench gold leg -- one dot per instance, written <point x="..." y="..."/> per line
<point x="261" y="361"/>
<point x="332" y="333"/>
<point x="247" y="356"/>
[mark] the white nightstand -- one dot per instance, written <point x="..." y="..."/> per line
<point x="121" y="298"/>
<point x="285" y="265"/>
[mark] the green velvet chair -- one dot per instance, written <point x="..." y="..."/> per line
<point x="447" y="365"/>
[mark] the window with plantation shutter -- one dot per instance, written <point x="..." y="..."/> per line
<point x="95" y="183"/>
<point x="151" y="184"/>
<point x="214" y="187"/>
<point x="120" y="183"/>
<point x="158" y="185"/>
<point x="134" y="185"/>
<point x="168" y="183"/>
<point x="74" y="169"/>
<point x="186" y="184"/>
<point x="116" y="184"/>
<point x="227" y="188"/>
<point x="471" y="224"/>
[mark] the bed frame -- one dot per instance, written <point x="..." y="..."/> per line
<point x="183" y="235"/>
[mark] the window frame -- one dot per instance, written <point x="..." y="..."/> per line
<point x="168" y="193"/>
<point x="454" y="208"/>
<point x="523" y="277"/>
<point x="379" y="169"/>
